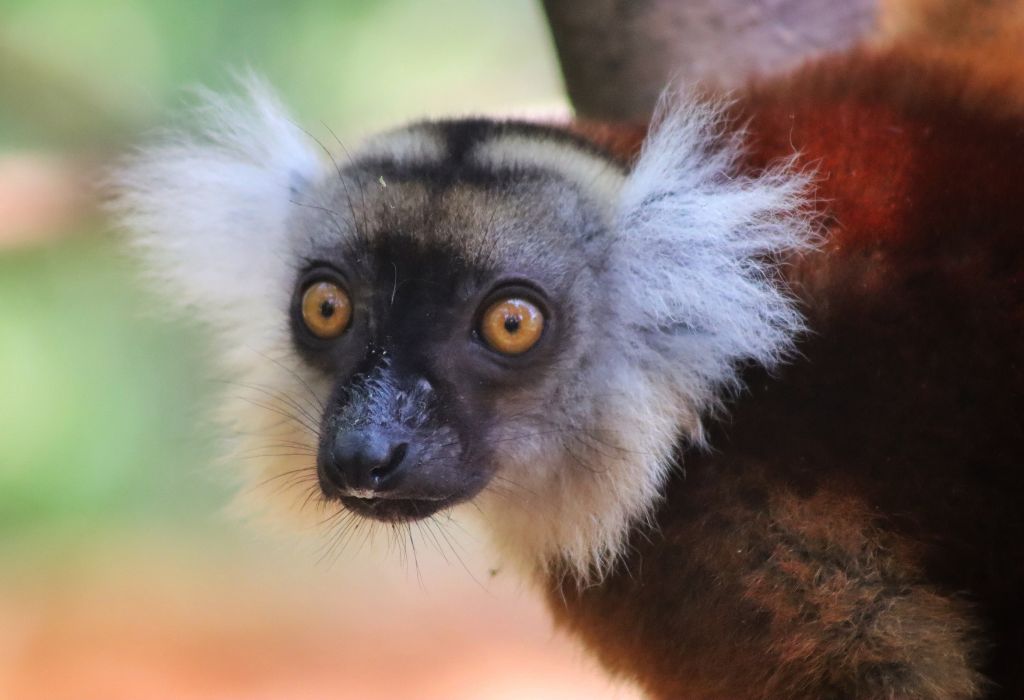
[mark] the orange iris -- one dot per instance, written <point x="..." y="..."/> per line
<point x="512" y="326"/>
<point x="326" y="309"/>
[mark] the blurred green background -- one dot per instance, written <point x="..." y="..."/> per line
<point x="101" y="400"/>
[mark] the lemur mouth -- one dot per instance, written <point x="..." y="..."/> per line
<point x="396" y="510"/>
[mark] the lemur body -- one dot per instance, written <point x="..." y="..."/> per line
<point x="511" y="314"/>
<point x="856" y="531"/>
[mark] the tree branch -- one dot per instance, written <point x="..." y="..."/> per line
<point x="618" y="55"/>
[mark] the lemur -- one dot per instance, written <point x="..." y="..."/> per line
<point x="740" y="391"/>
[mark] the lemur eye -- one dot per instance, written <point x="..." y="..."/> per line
<point x="326" y="309"/>
<point x="512" y="326"/>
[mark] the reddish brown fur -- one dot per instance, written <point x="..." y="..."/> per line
<point x="622" y="140"/>
<point x="857" y="531"/>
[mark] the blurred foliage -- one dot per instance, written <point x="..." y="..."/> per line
<point x="77" y="74"/>
<point x="102" y="401"/>
<point x="100" y="408"/>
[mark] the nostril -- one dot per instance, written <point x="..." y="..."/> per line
<point x="382" y="471"/>
<point x="366" y="460"/>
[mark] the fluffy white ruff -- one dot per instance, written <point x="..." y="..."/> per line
<point x="207" y="208"/>
<point x="208" y="211"/>
<point x="696" y="293"/>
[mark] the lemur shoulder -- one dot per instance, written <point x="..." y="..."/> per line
<point x="741" y="391"/>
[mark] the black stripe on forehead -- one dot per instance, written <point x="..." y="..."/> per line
<point x="420" y="293"/>
<point x="446" y="173"/>
<point x="463" y="135"/>
<point x="461" y="138"/>
<point x="412" y="258"/>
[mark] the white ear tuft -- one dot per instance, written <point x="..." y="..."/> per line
<point x="697" y="252"/>
<point x="208" y="209"/>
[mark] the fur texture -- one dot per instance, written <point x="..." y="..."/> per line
<point x="690" y="261"/>
<point x="207" y="206"/>
<point x="856" y="533"/>
<point x="678" y="263"/>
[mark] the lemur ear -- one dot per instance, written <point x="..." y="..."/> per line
<point x="697" y="247"/>
<point x="207" y="208"/>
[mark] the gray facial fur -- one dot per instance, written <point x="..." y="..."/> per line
<point x="657" y="279"/>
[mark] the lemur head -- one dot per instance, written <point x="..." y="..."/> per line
<point x="472" y="309"/>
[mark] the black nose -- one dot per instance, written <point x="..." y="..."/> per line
<point x="368" y="460"/>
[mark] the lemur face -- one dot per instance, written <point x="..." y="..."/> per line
<point x="445" y="309"/>
<point x="471" y="309"/>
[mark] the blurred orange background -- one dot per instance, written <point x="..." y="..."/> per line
<point x="120" y="576"/>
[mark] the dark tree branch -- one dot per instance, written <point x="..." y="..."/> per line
<point x="618" y="55"/>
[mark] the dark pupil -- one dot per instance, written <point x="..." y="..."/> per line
<point x="512" y="324"/>
<point x="327" y="308"/>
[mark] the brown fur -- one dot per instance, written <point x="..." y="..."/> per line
<point x="857" y="531"/>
